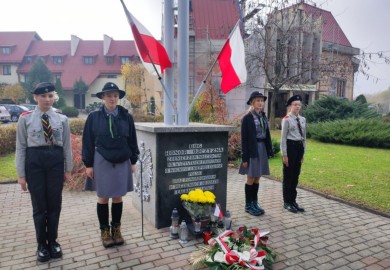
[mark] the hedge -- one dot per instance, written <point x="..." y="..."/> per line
<point x="359" y="132"/>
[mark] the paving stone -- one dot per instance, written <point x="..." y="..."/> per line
<point x="329" y="235"/>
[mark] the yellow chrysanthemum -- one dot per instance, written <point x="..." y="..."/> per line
<point x="184" y="197"/>
<point x="209" y="194"/>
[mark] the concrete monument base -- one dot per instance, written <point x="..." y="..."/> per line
<point x="175" y="160"/>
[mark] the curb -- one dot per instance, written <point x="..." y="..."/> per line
<point x="9" y="181"/>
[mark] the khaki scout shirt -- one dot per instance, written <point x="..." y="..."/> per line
<point x="290" y="131"/>
<point x="29" y="133"/>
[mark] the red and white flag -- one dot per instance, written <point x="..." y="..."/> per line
<point x="218" y="212"/>
<point x="149" y="49"/>
<point x="232" y="61"/>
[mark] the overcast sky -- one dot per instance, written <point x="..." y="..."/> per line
<point x="365" y="23"/>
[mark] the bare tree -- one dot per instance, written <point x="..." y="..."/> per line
<point x="286" y="47"/>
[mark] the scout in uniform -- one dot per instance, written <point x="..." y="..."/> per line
<point x="256" y="147"/>
<point x="42" y="146"/>
<point x="110" y="152"/>
<point x="293" y="146"/>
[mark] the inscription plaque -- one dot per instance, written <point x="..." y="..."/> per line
<point x="186" y="162"/>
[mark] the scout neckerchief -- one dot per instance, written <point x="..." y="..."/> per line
<point x="300" y="127"/>
<point x="260" y="117"/>
<point x="47" y="130"/>
<point x="111" y="115"/>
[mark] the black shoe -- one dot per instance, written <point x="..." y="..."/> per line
<point x="55" y="250"/>
<point x="290" y="207"/>
<point x="300" y="209"/>
<point x="251" y="210"/>
<point x="43" y="254"/>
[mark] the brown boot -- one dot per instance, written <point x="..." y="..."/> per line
<point x="116" y="234"/>
<point x="106" y="238"/>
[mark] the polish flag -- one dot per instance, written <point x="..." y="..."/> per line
<point x="232" y="61"/>
<point x="149" y="49"/>
<point x="218" y="212"/>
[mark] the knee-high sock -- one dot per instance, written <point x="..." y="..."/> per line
<point x="102" y="213"/>
<point x="255" y="191"/>
<point x="116" y="212"/>
<point x="248" y="193"/>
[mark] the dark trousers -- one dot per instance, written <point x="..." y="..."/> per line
<point x="45" y="179"/>
<point x="291" y="173"/>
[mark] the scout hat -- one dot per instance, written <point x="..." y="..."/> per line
<point x="293" y="98"/>
<point x="42" y="88"/>
<point x="110" y="87"/>
<point x="255" y="94"/>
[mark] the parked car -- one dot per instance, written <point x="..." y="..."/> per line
<point x="5" y="116"/>
<point x="33" y="106"/>
<point x="15" y="111"/>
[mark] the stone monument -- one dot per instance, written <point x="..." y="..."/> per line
<point x="175" y="160"/>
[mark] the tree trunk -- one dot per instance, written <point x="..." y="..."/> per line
<point x="272" y="108"/>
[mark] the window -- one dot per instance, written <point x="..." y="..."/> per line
<point x="58" y="60"/>
<point x="6" y="50"/>
<point x="338" y="87"/>
<point x="109" y="60"/>
<point x="125" y="60"/>
<point x="6" y="70"/>
<point x="89" y="60"/>
<point x="28" y="59"/>
<point x="111" y="76"/>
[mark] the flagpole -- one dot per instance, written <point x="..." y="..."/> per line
<point x="163" y="86"/>
<point x="201" y="86"/>
<point x="168" y="38"/>
<point x="130" y="19"/>
<point x="208" y="73"/>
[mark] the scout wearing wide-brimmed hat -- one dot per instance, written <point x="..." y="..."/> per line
<point x="256" y="148"/>
<point x="110" y="151"/>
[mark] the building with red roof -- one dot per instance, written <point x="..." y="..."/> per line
<point x="211" y="21"/>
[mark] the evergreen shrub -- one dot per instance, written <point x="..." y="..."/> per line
<point x="329" y="108"/>
<point x="70" y="111"/>
<point x="359" y="132"/>
<point x="76" y="126"/>
<point x="7" y="139"/>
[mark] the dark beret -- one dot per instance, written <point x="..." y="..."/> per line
<point x="42" y="88"/>
<point x="293" y="98"/>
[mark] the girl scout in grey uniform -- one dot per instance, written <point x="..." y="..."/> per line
<point x="42" y="146"/>
<point x="256" y="148"/>
<point x="293" y="146"/>
<point x="110" y="152"/>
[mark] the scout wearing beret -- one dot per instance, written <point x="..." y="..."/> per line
<point x="110" y="151"/>
<point x="256" y="149"/>
<point x="293" y="146"/>
<point x="42" y="145"/>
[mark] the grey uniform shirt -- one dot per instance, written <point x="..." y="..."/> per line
<point x="290" y="131"/>
<point x="29" y="133"/>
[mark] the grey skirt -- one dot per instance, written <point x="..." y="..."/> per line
<point x="257" y="166"/>
<point x="110" y="180"/>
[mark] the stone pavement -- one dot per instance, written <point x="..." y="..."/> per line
<point x="329" y="235"/>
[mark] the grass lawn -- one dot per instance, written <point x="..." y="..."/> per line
<point x="356" y="174"/>
<point x="7" y="168"/>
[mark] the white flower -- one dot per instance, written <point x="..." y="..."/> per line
<point x="219" y="257"/>
<point x="245" y="256"/>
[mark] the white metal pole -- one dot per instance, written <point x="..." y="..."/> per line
<point x="169" y="110"/>
<point x="183" y="61"/>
